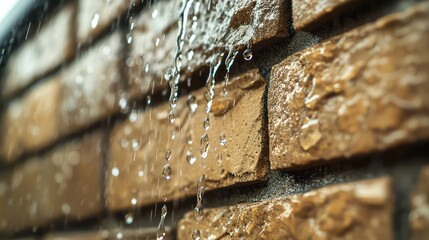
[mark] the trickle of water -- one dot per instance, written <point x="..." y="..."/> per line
<point x="171" y="117"/>
<point x="168" y="155"/>
<point x="310" y="134"/>
<point x="95" y="19"/>
<point x="115" y="171"/>
<point x="123" y="105"/>
<point x="196" y="234"/>
<point x="190" y="158"/>
<point x="129" y="218"/>
<point x="192" y="103"/>
<point x="248" y="54"/>
<point x="204" y="145"/>
<point x="169" y="74"/>
<point x="206" y="124"/>
<point x="199" y="210"/>
<point x="167" y="171"/>
<point x="161" y="228"/>
<point x="148" y="100"/>
<point x="222" y="139"/>
<point x="129" y="38"/>
<point x="228" y="64"/>
<point x="135" y="145"/>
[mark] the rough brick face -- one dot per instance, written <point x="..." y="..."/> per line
<point x="32" y="122"/>
<point x="92" y="85"/>
<point x="95" y="16"/>
<point x="65" y="182"/>
<point x="21" y="69"/>
<point x="352" y="94"/>
<point x="230" y="23"/>
<point x="242" y="159"/>
<point x="310" y="13"/>
<point x="359" y="210"/>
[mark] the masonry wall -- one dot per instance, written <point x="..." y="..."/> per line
<point x="322" y="134"/>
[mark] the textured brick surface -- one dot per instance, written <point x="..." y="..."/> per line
<point x="32" y="122"/>
<point x="53" y="45"/>
<point x="359" y="210"/>
<point x="111" y="234"/>
<point x="95" y="16"/>
<point x="310" y="13"/>
<point x="63" y="183"/>
<point x="419" y="215"/>
<point x="355" y="93"/>
<point x="92" y="85"/>
<point x="228" y="23"/>
<point x="137" y="148"/>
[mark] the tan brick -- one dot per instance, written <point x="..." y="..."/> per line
<point x="359" y="210"/>
<point x="308" y="14"/>
<point x="243" y="158"/>
<point x="53" y="45"/>
<point x="355" y="93"/>
<point x="93" y="17"/>
<point x="92" y="85"/>
<point x="31" y="123"/>
<point x="4" y="200"/>
<point x="419" y="215"/>
<point x="230" y="23"/>
<point x="88" y="235"/>
<point x="63" y="183"/>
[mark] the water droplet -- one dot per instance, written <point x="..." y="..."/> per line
<point x="164" y="211"/>
<point x="125" y="143"/>
<point x="129" y="38"/>
<point x="189" y="140"/>
<point x="119" y="235"/>
<point x="310" y="134"/>
<point x="190" y="158"/>
<point x="123" y="105"/>
<point x="94" y="21"/>
<point x="168" y="155"/>
<point x="133" y="116"/>
<point x="222" y="139"/>
<point x="115" y="171"/>
<point x="167" y="171"/>
<point x="133" y="201"/>
<point x="135" y="145"/>
<point x="204" y="145"/>
<point x="198" y="213"/>
<point x="171" y="117"/>
<point x="169" y="74"/>
<point x="206" y="124"/>
<point x="192" y="103"/>
<point x="196" y="234"/>
<point x="140" y="173"/>
<point x="129" y="218"/>
<point x="247" y="54"/>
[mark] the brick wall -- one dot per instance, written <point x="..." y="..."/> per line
<point x="322" y="134"/>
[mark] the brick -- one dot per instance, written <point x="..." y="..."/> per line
<point x="52" y="46"/>
<point x="87" y="235"/>
<point x="358" y="210"/>
<point x="362" y="91"/>
<point x="231" y="23"/>
<point x="243" y="158"/>
<point x="94" y="17"/>
<point x="419" y="215"/>
<point x="92" y="85"/>
<point x="31" y="123"/>
<point x="63" y="183"/>
<point x="309" y="14"/>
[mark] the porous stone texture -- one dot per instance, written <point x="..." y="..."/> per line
<point x="208" y="32"/>
<point x="138" y="146"/>
<point x="63" y="183"/>
<point x="357" y="210"/>
<point x="36" y="57"/>
<point x="419" y="215"/>
<point x="359" y="92"/>
<point x="95" y="16"/>
<point x="78" y="235"/>
<point x="308" y="14"/>
<point x="31" y="122"/>
<point x="92" y="85"/>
